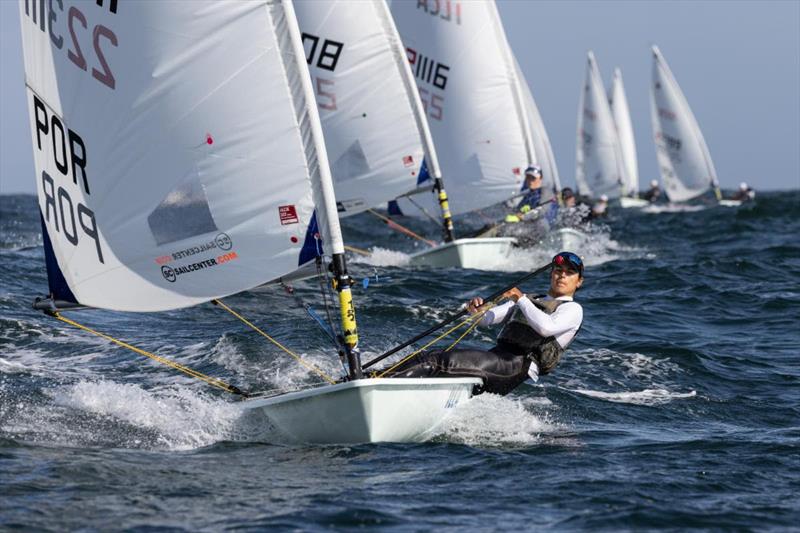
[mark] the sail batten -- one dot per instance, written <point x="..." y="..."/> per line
<point x="176" y="159"/>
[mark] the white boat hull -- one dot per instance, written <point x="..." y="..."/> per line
<point x="627" y="202"/>
<point x="483" y="253"/>
<point x="730" y="203"/>
<point x="365" y="410"/>
<point x="572" y="240"/>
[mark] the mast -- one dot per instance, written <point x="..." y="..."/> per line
<point x="326" y="204"/>
<point x="516" y="92"/>
<point x="431" y="159"/>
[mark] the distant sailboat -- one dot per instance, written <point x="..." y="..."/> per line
<point x="687" y="170"/>
<point x="600" y="168"/>
<point x="181" y="160"/>
<point x="622" y="118"/>
<point x="469" y="85"/>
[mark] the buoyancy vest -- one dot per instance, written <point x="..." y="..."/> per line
<point x="517" y="336"/>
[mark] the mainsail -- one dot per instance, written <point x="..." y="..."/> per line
<point x="599" y="166"/>
<point x="683" y="158"/>
<point x="366" y="101"/>
<point x="178" y="157"/>
<point x="468" y="84"/>
<point x="551" y="183"/>
<point x="622" y="119"/>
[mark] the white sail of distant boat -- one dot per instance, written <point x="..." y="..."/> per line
<point x="357" y="66"/>
<point x="599" y="165"/>
<point x="466" y="77"/>
<point x="180" y="159"/>
<point x="622" y="118"/>
<point x="543" y="150"/>
<point x="374" y="122"/>
<point x="683" y="158"/>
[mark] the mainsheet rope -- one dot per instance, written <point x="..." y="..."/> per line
<point x="475" y="319"/>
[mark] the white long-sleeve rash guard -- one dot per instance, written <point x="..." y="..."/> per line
<point x="563" y="324"/>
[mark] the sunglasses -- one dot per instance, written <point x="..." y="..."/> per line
<point x="567" y="259"/>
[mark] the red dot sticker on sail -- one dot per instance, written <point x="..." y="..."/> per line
<point x="408" y="160"/>
<point x="288" y="214"/>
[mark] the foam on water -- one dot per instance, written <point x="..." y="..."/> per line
<point x="175" y="418"/>
<point x="643" y="397"/>
<point x="490" y="420"/>
<point x="383" y="257"/>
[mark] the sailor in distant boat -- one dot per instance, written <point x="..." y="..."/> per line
<point x="532" y="197"/>
<point x="600" y="207"/>
<point x="536" y="332"/>
<point x="653" y="194"/>
<point x="744" y="194"/>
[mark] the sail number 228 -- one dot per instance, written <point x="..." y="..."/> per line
<point x="46" y="15"/>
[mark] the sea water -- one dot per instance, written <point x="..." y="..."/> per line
<point x="677" y="406"/>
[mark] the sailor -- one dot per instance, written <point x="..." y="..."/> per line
<point x="600" y="208"/>
<point x="568" y="197"/>
<point x="744" y="193"/>
<point x="533" y="194"/>
<point x="653" y="194"/>
<point x="536" y="331"/>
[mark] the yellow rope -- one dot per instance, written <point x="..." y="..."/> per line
<point x="466" y="332"/>
<point x="299" y="359"/>
<point x="473" y="318"/>
<point x="185" y="369"/>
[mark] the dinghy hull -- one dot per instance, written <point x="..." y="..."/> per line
<point x="627" y="202"/>
<point x="361" y="411"/>
<point x="572" y="240"/>
<point x="478" y="253"/>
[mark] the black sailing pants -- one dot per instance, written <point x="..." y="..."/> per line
<point x="500" y="370"/>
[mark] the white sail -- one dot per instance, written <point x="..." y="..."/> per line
<point x="683" y="158"/>
<point x="622" y="119"/>
<point x="467" y="81"/>
<point x="551" y="182"/>
<point x="366" y="103"/>
<point x="599" y="167"/>
<point x="178" y="157"/>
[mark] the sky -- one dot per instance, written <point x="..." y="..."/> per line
<point x="738" y="63"/>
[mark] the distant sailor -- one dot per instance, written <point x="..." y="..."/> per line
<point x="744" y="194"/>
<point x="536" y="332"/>
<point x="654" y="193"/>
<point x="533" y="194"/>
<point x="600" y="207"/>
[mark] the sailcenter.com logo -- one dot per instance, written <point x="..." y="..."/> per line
<point x="221" y="242"/>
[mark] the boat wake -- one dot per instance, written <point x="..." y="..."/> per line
<point x="598" y="248"/>
<point x="644" y="397"/>
<point x="382" y="257"/>
<point x="489" y="420"/>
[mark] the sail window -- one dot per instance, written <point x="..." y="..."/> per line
<point x="183" y="213"/>
<point x="351" y="164"/>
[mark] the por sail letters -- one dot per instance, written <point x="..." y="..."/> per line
<point x="67" y="215"/>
